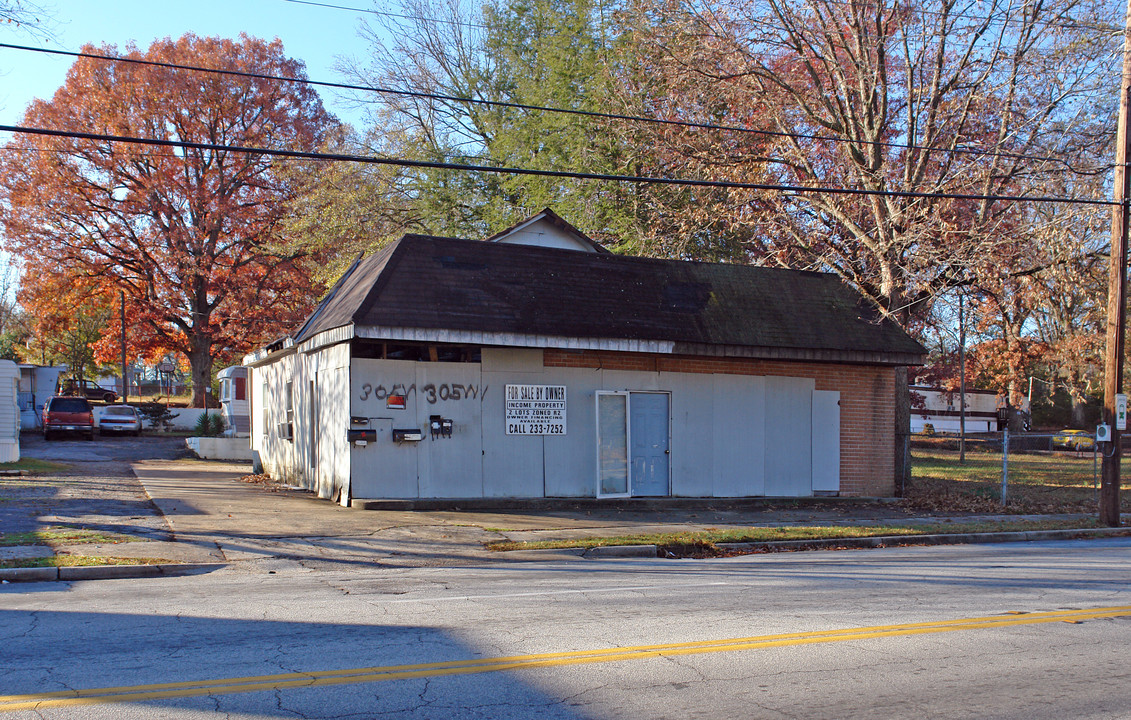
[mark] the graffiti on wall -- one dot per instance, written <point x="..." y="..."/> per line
<point x="430" y="393"/>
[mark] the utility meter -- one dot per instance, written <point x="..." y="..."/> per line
<point x="1103" y="433"/>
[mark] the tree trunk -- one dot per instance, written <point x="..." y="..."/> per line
<point x="200" y="370"/>
<point x="1078" y="413"/>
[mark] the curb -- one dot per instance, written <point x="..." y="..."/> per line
<point x="941" y="539"/>
<point x="879" y="541"/>
<point x="649" y="551"/>
<point x="104" y="572"/>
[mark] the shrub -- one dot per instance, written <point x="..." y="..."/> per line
<point x="157" y="415"/>
<point x="928" y="429"/>
<point x="209" y="424"/>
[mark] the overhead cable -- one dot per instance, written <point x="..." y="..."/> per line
<point x="540" y="108"/>
<point x="435" y="165"/>
<point x="385" y="13"/>
<point x="1065" y="22"/>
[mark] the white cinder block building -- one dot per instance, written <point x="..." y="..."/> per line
<point x="541" y="365"/>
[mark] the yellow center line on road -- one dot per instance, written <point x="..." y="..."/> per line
<point x="320" y="678"/>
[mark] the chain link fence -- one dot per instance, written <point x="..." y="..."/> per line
<point x="1064" y="459"/>
<point x="1038" y="471"/>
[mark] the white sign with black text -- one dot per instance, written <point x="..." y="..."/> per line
<point x="536" y="410"/>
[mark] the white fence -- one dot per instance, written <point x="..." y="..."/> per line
<point x="185" y="418"/>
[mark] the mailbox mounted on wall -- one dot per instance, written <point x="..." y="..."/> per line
<point x="440" y="426"/>
<point x="361" y="436"/>
<point x="407" y="435"/>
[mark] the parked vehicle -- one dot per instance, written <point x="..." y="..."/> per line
<point x="88" y="390"/>
<point x="68" y="414"/>
<point x="1073" y="440"/>
<point x="120" y="419"/>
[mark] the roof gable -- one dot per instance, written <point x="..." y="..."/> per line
<point x="546" y="229"/>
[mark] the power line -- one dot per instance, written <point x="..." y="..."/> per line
<point x="539" y="108"/>
<point x="1003" y="18"/>
<point x="434" y="165"/>
<point x="397" y="16"/>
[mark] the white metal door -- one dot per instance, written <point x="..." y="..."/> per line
<point x="649" y="451"/>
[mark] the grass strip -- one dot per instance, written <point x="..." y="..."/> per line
<point x="34" y="466"/>
<point x="77" y="561"/>
<point x="63" y="536"/>
<point x="711" y="537"/>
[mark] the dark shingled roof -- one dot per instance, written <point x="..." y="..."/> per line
<point x="468" y="285"/>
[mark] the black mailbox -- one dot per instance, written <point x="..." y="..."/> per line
<point x="407" y="435"/>
<point x="363" y="435"/>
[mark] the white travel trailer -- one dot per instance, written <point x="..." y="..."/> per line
<point x="233" y="400"/>
<point x="9" y="411"/>
<point x="985" y="410"/>
<point x="37" y="384"/>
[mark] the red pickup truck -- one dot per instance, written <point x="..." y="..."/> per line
<point x="68" y="414"/>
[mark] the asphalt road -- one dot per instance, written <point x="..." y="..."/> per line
<point x="1037" y="630"/>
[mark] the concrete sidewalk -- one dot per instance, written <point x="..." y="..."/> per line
<point x="210" y="510"/>
<point x="213" y="516"/>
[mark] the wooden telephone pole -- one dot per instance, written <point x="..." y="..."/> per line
<point x="1116" y="295"/>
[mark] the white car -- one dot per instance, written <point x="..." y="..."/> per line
<point x="120" y="419"/>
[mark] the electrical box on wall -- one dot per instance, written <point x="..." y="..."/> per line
<point x="1103" y="433"/>
<point x="407" y="435"/>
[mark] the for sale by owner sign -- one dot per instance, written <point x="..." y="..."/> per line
<point x="536" y="410"/>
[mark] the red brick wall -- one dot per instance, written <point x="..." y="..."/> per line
<point x="867" y="403"/>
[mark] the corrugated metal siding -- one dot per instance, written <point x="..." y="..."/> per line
<point x="732" y="435"/>
<point x="9" y="411"/>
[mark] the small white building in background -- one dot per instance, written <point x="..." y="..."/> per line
<point x="37" y="384"/>
<point x="233" y="400"/>
<point x="9" y="411"/>
<point x="942" y="410"/>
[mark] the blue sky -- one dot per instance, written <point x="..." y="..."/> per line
<point x="316" y="35"/>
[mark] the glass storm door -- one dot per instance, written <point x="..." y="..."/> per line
<point x="612" y="444"/>
<point x="633" y="431"/>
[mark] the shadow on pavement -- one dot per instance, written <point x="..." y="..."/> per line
<point x="260" y="667"/>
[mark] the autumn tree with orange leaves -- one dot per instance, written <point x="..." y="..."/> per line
<point x="67" y="320"/>
<point x="190" y="235"/>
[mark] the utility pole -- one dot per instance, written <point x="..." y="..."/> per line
<point x="125" y="381"/>
<point x="962" y="380"/>
<point x="1116" y="294"/>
